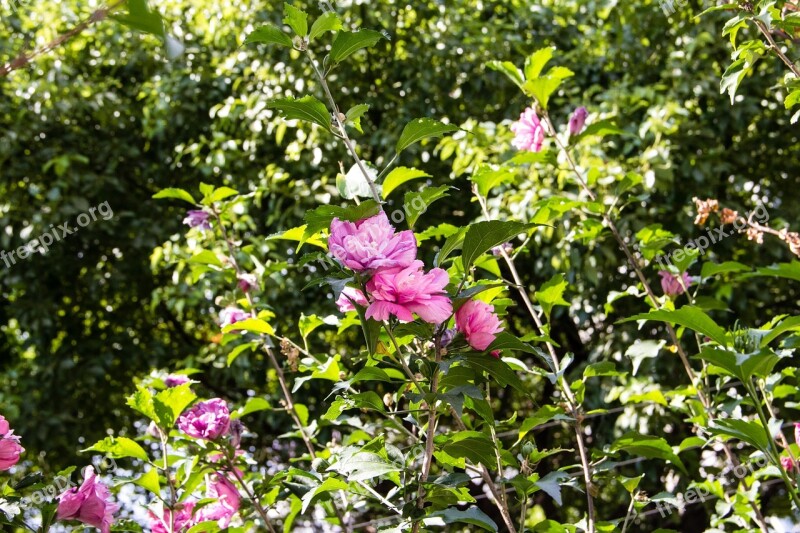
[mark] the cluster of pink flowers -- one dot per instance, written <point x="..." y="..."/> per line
<point x="209" y="420"/>
<point x="10" y="449"/>
<point x="89" y="504"/>
<point x="787" y="462"/>
<point x="398" y="285"/>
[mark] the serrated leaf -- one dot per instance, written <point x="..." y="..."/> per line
<point x="399" y="176"/>
<point x="328" y="21"/>
<point x="647" y="446"/>
<point x="329" y="485"/>
<point x="454" y="242"/>
<point x="269" y="34"/>
<point x="422" y="128"/>
<point x="496" y="368"/>
<point x="751" y="432"/>
<point x="509" y="69"/>
<point x="348" y="43"/>
<point x="417" y="203"/>
<point x="178" y="194"/>
<point x="307" y="108"/>
<point x="535" y="63"/>
<point x="551" y="293"/>
<point x="170" y="403"/>
<point x="551" y="484"/>
<point x="149" y="481"/>
<point x="354" y="114"/>
<point x="487" y="178"/>
<point x="142" y="401"/>
<point x="295" y="19"/>
<point x="321" y="217"/>
<point x="472" y="445"/>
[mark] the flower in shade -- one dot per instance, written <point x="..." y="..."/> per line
<point x="797" y="433"/>
<point x="577" y="121"/>
<point x="507" y="247"/>
<point x="89" y="504"/>
<point x="247" y="282"/>
<point x="479" y="323"/>
<point x="447" y="337"/>
<point x="674" y="285"/>
<point x="208" y="420"/>
<point x="181" y="523"/>
<point x="529" y="132"/>
<point x="173" y="380"/>
<point x="349" y="296"/>
<point x="232" y="315"/>
<point x="371" y="244"/>
<point x="227" y="501"/>
<point x="404" y="291"/>
<point x="198" y="218"/>
<point x="787" y="463"/>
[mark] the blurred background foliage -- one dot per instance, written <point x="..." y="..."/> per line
<point x="109" y="117"/>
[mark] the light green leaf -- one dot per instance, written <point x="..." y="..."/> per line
<point x="509" y="69"/>
<point x="178" y="194"/>
<point x="295" y="19"/>
<point x="535" y="63"/>
<point x="399" y="176"/>
<point x="307" y="108"/>
<point x="690" y="317"/>
<point x="253" y="325"/>
<point x="328" y="21"/>
<point x="329" y="485"/>
<point x="253" y="405"/>
<point x="149" y="481"/>
<point x="354" y="114"/>
<point x="422" y="128"/>
<point x="170" y="403"/>
<point x="206" y="257"/>
<point x="269" y="34"/>
<point x="348" y="43"/>
<point x="118" y="448"/>
<point x="751" y="432"/>
<point x="647" y="446"/>
<point x="551" y="293"/>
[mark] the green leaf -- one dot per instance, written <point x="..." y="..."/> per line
<point x="269" y="34"/>
<point x="170" y="403"/>
<point x="417" y="203"/>
<point x="348" y="43"/>
<point x="601" y="128"/>
<point x="221" y="194"/>
<point x="535" y="63"/>
<point x="141" y="18"/>
<point x="604" y="368"/>
<point x="178" y="194"/>
<point x="551" y="484"/>
<point x="354" y="114"/>
<point x="359" y="465"/>
<point x="295" y="19"/>
<point x="781" y="270"/>
<point x="690" y="317"/>
<point x="472" y="515"/>
<point x="471" y="445"/>
<point x="647" y="446"/>
<point x="142" y="401"/>
<point x="499" y="370"/>
<point x="399" y="176"/>
<point x="509" y="69"/>
<point x="373" y="373"/>
<point x="487" y="178"/>
<point x="328" y="21"/>
<point x="253" y="405"/>
<point x="307" y="108"/>
<point x="206" y="257"/>
<point x="714" y="269"/>
<point x="422" y="128"/>
<point x="483" y="236"/>
<point x="371" y="329"/>
<point x="118" y="448"/>
<point x="453" y="242"/>
<point x="149" y="481"/>
<point x="543" y="88"/>
<point x="742" y="366"/>
<point x="751" y="432"/>
<point x="253" y="325"/>
<point x="789" y="324"/>
<point x="641" y="350"/>
<point x="355" y="184"/>
<point x="551" y="293"/>
<point x="544" y="414"/>
<point x="329" y="485"/>
<point x="321" y="217"/>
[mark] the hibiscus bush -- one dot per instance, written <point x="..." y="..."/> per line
<point x="433" y="387"/>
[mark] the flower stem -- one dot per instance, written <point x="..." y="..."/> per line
<point x="250" y="494"/>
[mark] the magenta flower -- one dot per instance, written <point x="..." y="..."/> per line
<point x="348" y="296"/>
<point x="671" y="285"/>
<point x="577" y="121"/>
<point x="787" y="463"/>
<point x="4" y="427"/>
<point x="232" y="315"/>
<point x="371" y="243"/>
<point x="10" y="450"/>
<point x="247" y="282"/>
<point x="479" y="324"/>
<point x="403" y="291"/>
<point x="206" y="420"/>
<point x="198" y="219"/>
<point x="227" y="504"/>
<point x="173" y="380"/>
<point x="529" y="132"/>
<point x="182" y="522"/>
<point x="797" y="433"/>
<point x="89" y="504"/>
